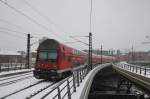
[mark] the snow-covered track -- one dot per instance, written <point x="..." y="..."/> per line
<point x="14" y="81"/>
<point x="16" y="76"/>
<point x="21" y="89"/>
<point x="15" y="72"/>
<point x="37" y="92"/>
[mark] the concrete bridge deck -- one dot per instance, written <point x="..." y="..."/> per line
<point x="109" y="81"/>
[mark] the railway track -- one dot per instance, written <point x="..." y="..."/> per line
<point x="7" y="78"/>
<point x="37" y="92"/>
<point x="29" y="91"/>
<point x="45" y="90"/>
<point x="14" y="81"/>
<point x="32" y="90"/>
<point x="8" y="95"/>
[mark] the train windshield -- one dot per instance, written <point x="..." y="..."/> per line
<point x="48" y="55"/>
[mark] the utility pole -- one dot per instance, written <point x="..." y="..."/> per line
<point x="129" y="56"/>
<point x="90" y="37"/>
<point x="112" y="54"/>
<point x="28" y="51"/>
<point x="101" y="54"/>
<point x="90" y="50"/>
<point x="132" y="54"/>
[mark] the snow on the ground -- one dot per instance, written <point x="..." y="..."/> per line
<point x="4" y="52"/>
<point x="53" y="93"/>
<point x="23" y="94"/>
<point x="28" y="92"/>
<point x="23" y="76"/>
<point x="44" y="92"/>
<point x="79" y="89"/>
<point x="138" y="71"/>
<point x="15" y="71"/>
<point x="15" y="76"/>
<point x="5" y="90"/>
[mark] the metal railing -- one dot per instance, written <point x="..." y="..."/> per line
<point x="12" y="66"/>
<point x="89" y="80"/>
<point x="68" y="86"/>
<point x="142" y="70"/>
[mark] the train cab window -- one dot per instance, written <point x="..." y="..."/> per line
<point x="48" y="55"/>
<point x="52" y="54"/>
<point x="43" y="55"/>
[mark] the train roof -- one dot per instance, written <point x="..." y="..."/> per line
<point x="49" y="44"/>
<point x="54" y="44"/>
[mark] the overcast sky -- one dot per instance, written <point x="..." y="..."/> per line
<point x="116" y="24"/>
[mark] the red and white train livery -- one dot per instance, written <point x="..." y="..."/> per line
<point x="55" y="60"/>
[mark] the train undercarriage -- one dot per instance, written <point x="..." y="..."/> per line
<point x="51" y="74"/>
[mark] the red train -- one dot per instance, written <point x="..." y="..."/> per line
<point x="55" y="60"/>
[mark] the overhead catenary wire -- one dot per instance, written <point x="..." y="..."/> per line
<point x="12" y="24"/>
<point x="34" y="43"/>
<point x="20" y="28"/>
<point x="13" y="30"/>
<point x="91" y="10"/>
<point x="141" y="45"/>
<point x="71" y="42"/>
<point x="42" y="15"/>
<point x="79" y="41"/>
<point x="33" y="20"/>
<point x="10" y="34"/>
<point x="39" y="13"/>
<point x="23" y="14"/>
<point x="28" y="17"/>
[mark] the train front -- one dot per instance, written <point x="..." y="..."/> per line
<point x="47" y="60"/>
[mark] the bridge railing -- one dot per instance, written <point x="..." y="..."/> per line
<point x="142" y="70"/>
<point x="68" y="86"/>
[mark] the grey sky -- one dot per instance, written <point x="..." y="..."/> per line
<point x="116" y="23"/>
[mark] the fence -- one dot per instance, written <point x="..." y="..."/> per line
<point x="142" y="70"/>
<point x="12" y="66"/>
<point x="68" y="86"/>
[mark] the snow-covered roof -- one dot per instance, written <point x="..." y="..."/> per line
<point x="9" y="53"/>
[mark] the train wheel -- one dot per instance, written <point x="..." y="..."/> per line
<point x="37" y="76"/>
<point x="63" y="75"/>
